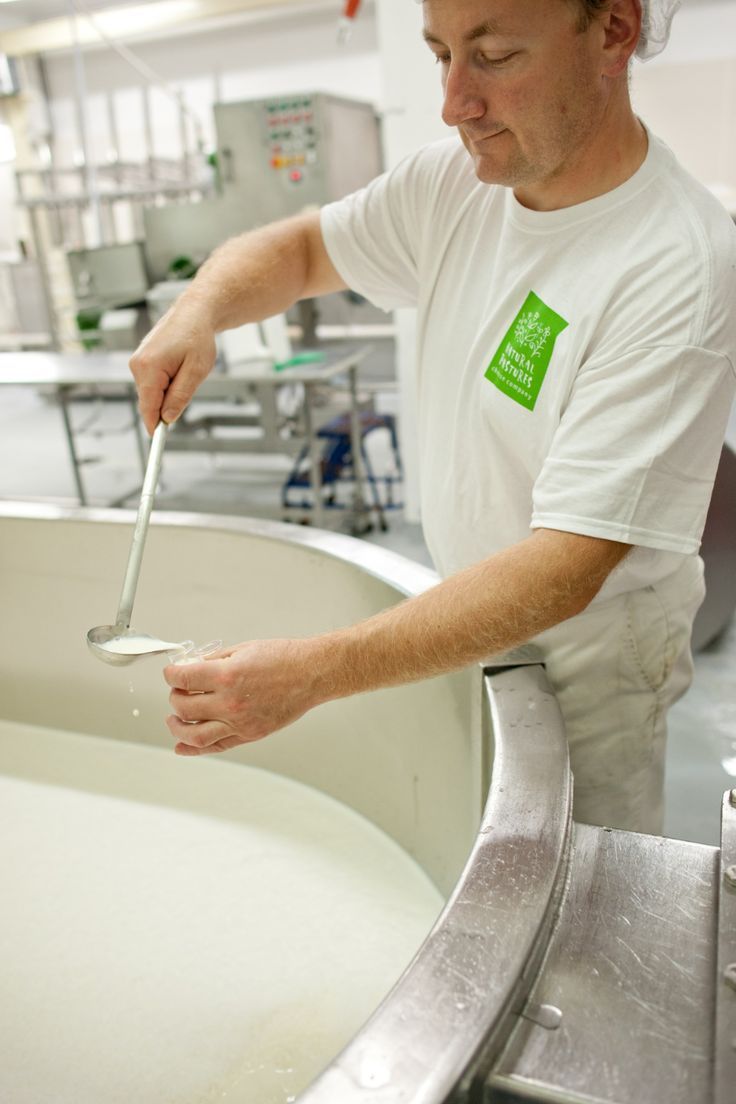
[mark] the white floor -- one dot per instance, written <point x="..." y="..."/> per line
<point x="34" y="464"/>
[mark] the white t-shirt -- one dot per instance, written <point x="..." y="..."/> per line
<point x="575" y="367"/>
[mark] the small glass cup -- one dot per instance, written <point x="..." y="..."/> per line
<point x="193" y="653"/>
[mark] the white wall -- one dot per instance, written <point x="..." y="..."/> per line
<point x="8" y="227"/>
<point x="412" y="105"/>
<point x="687" y="95"/>
<point x="234" y="63"/>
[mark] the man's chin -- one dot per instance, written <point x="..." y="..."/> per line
<point x="489" y="171"/>
<point x="489" y="164"/>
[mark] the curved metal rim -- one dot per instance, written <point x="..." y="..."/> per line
<point x="446" y="1019"/>
<point x="405" y="575"/>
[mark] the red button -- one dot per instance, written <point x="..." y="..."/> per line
<point x="295" y="176"/>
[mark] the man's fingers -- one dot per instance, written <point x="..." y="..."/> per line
<point x="219" y="746"/>
<point x="200" y="739"/>
<point x="150" y="400"/>
<point x="191" y="707"/>
<point x="168" y="367"/>
<point x="194" y="678"/>
<point x="152" y="380"/>
<point x="184" y="382"/>
<point x="199" y="736"/>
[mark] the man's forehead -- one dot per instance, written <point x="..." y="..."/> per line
<point x="474" y="19"/>
<point x="480" y="30"/>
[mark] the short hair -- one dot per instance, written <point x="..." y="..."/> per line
<point x="588" y="10"/>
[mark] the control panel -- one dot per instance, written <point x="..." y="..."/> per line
<point x="284" y="153"/>
<point x="292" y="136"/>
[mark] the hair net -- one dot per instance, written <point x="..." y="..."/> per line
<point x="656" y="21"/>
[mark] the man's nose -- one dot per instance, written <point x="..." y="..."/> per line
<point x="462" y="101"/>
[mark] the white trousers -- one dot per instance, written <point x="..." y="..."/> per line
<point x="616" y="669"/>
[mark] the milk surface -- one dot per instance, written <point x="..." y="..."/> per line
<point x="180" y="931"/>
<point x="139" y="644"/>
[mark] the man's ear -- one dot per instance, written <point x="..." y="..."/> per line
<point x="622" y="28"/>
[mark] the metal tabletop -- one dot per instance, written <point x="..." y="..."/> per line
<point x="65" y="373"/>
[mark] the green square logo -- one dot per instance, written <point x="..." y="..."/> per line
<point x="521" y="361"/>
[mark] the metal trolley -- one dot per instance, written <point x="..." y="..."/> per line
<point x="338" y="473"/>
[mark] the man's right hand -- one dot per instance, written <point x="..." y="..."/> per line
<point x="171" y="362"/>
<point x="253" y="276"/>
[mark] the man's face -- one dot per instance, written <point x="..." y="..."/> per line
<point x="521" y="83"/>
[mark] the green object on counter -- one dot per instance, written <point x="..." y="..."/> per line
<point x="88" y="318"/>
<point x="299" y="359"/>
<point x="181" y="268"/>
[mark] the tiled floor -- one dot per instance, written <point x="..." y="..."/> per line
<point x="34" y="465"/>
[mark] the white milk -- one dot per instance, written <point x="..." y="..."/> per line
<point x="140" y="643"/>
<point x="178" y="931"/>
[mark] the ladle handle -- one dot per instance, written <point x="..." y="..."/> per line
<point x="150" y="482"/>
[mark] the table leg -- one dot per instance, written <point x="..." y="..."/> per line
<point x="62" y="396"/>
<point x="361" y="522"/>
<point x="315" y="459"/>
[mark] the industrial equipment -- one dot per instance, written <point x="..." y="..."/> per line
<point x="285" y="153"/>
<point x="27" y="314"/>
<point x="109" y="275"/>
<point x="276" y="156"/>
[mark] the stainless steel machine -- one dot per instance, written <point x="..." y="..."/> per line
<point x="108" y="275"/>
<point x="276" y="156"/>
<point x="571" y="964"/>
<point x="288" y="152"/>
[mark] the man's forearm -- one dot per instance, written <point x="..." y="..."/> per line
<point x="259" y="687"/>
<point x="261" y="273"/>
<point x="485" y="610"/>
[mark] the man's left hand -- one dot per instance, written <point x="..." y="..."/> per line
<point x="239" y="695"/>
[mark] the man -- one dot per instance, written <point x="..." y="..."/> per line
<point x="575" y="294"/>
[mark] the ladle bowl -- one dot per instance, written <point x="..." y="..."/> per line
<point x="102" y="640"/>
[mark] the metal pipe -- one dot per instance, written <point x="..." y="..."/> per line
<point x="48" y="296"/>
<point x="347" y="19"/>
<point x="80" y="102"/>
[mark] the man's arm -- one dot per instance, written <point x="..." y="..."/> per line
<point x="501" y="602"/>
<point x="247" y="279"/>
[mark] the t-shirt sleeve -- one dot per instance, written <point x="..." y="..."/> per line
<point x="373" y="236"/>
<point x="636" y="451"/>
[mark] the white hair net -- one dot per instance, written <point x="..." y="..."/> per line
<point x="656" y="22"/>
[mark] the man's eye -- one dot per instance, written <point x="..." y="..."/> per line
<point x="442" y="59"/>
<point x="497" y="61"/>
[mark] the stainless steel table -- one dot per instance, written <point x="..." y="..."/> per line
<point x="66" y="374"/>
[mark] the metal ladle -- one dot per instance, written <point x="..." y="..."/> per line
<point x="101" y="639"/>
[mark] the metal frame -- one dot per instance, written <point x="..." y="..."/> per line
<point x="725" y="1030"/>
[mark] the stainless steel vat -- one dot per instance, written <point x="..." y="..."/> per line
<point x="571" y="963"/>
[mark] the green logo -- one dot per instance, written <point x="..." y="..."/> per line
<point x="521" y="361"/>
